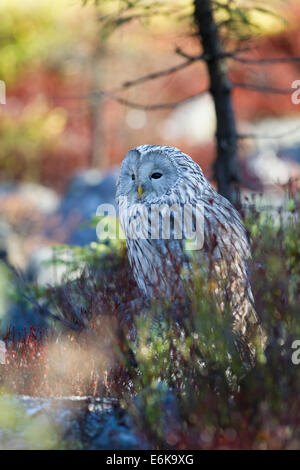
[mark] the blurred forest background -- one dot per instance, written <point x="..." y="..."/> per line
<point x="58" y="57"/>
<point x="55" y="54"/>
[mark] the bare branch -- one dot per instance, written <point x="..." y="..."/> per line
<point x="235" y="56"/>
<point x="206" y="57"/>
<point x="132" y="104"/>
<point x="265" y="88"/>
<point x="155" y="75"/>
<point x="181" y="53"/>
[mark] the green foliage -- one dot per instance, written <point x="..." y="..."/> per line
<point x="178" y="367"/>
<point x="237" y="20"/>
<point x="76" y="258"/>
<point x="200" y="364"/>
<point x="193" y="386"/>
<point x="27" y="35"/>
<point x="114" y="14"/>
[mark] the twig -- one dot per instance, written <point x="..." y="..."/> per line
<point x="265" y="88"/>
<point x="235" y="56"/>
<point x="267" y="61"/>
<point x="154" y="107"/>
<point x="206" y="57"/>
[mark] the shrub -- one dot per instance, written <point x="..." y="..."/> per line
<point x="176" y="366"/>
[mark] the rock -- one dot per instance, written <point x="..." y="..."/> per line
<point x="87" y="190"/>
<point x="26" y="209"/>
<point x="42" y="199"/>
<point x="7" y="188"/>
<point x="165" y="405"/>
<point x="291" y="154"/>
<point x="115" y="434"/>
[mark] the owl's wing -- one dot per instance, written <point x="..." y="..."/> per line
<point x="227" y="250"/>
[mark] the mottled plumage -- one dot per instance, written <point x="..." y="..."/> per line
<point x="158" y="264"/>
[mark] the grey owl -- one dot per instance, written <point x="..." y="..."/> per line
<point x="161" y="176"/>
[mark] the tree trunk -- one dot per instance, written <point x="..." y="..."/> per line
<point x="226" y="168"/>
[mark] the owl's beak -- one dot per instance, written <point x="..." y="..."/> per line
<point x="140" y="190"/>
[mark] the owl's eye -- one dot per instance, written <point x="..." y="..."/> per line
<point x="133" y="177"/>
<point x="156" y="176"/>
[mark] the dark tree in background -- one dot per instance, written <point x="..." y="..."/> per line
<point x="219" y="40"/>
<point x="226" y="167"/>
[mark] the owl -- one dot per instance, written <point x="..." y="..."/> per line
<point x="154" y="179"/>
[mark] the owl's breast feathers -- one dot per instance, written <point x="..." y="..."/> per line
<point x="158" y="263"/>
<point x="156" y="259"/>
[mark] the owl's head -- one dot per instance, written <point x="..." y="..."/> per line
<point x="149" y="172"/>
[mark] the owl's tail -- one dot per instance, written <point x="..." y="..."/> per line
<point x="234" y="289"/>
